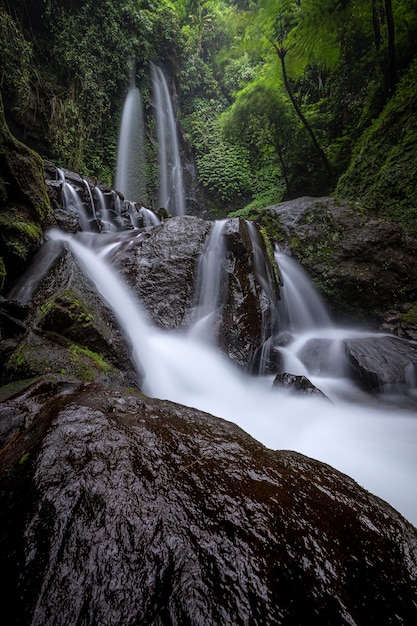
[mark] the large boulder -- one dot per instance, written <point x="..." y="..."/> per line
<point x="383" y="362"/>
<point x="363" y="266"/>
<point x="120" y="509"/>
<point x="162" y="267"/>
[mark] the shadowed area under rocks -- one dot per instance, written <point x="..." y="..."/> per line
<point x="120" y="509"/>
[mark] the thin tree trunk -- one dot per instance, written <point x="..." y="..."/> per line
<point x="281" y="54"/>
<point x="382" y="16"/>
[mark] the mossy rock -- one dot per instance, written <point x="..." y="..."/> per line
<point x="39" y="355"/>
<point x="24" y="204"/>
<point x="383" y="172"/>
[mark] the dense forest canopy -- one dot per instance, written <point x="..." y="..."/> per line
<point x="272" y="96"/>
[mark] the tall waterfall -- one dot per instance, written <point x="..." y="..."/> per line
<point x="171" y="190"/>
<point x="130" y="168"/>
<point x="376" y="446"/>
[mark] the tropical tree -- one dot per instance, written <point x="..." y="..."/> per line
<point x="306" y="32"/>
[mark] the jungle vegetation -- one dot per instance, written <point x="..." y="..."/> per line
<point x="274" y="97"/>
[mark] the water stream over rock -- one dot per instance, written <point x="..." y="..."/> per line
<point x="352" y="430"/>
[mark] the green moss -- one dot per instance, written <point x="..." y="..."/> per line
<point x="64" y="309"/>
<point x="24" y="458"/>
<point x="410" y="317"/>
<point x="20" y="233"/>
<point x="99" y="362"/>
<point x="383" y="172"/>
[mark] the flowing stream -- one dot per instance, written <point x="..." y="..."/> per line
<point x="372" y="443"/>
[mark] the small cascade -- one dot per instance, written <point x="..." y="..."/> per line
<point x="149" y="217"/>
<point x="72" y="201"/>
<point x="264" y="356"/>
<point x="130" y="177"/>
<point x="106" y="223"/>
<point x="117" y="209"/>
<point x="171" y="191"/>
<point x="310" y="344"/>
<point x="90" y="195"/>
<point x="301" y="307"/>
<point x="211" y="281"/>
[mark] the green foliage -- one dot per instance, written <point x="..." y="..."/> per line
<point x="383" y="171"/>
<point x="64" y="72"/>
<point x="15" y="62"/>
<point x="224" y="171"/>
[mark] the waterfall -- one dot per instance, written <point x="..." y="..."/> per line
<point x="105" y="219"/>
<point x="269" y="310"/>
<point x="376" y="446"/>
<point x="171" y="192"/>
<point x="211" y="277"/>
<point x="301" y="307"/>
<point x="72" y="201"/>
<point x="309" y="342"/>
<point x="90" y="195"/>
<point x="130" y="168"/>
<point x="149" y="218"/>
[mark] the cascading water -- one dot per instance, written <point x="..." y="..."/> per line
<point x="106" y="222"/>
<point x="171" y="190"/>
<point x="130" y="178"/>
<point x="210" y="280"/>
<point x="90" y="195"/>
<point x="301" y="307"/>
<point x="72" y="201"/>
<point x="375" y="446"/>
<point x="310" y="343"/>
<point x="269" y="316"/>
<point x="149" y="218"/>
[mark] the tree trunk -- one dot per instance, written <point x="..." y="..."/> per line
<point x="383" y="19"/>
<point x="328" y="168"/>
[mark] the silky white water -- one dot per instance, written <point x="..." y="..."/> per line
<point x="171" y="190"/>
<point x="130" y="167"/>
<point x="373" y="444"/>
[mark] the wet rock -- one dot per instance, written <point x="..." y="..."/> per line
<point x="383" y="362"/>
<point x="298" y="384"/>
<point x="147" y="512"/>
<point x="162" y="268"/>
<point x="362" y="266"/>
<point x="24" y="204"/>
<point x="68" y="330"/>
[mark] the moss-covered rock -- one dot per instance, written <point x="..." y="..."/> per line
<point x="24" y="203"/>
<point x="383" y="172"/>
<point x="363" y="266"/>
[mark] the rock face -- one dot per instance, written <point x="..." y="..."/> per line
<point x="363" y="266"/>
<point x="125" y="510"/>
<point x="24" y="204"/>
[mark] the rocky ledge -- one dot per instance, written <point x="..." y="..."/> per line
<point x="121" y="509"/>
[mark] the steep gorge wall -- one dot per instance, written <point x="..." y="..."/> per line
<point x="383" y="173"/>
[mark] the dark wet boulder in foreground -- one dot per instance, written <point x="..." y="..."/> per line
<point x="120" y="509"/>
